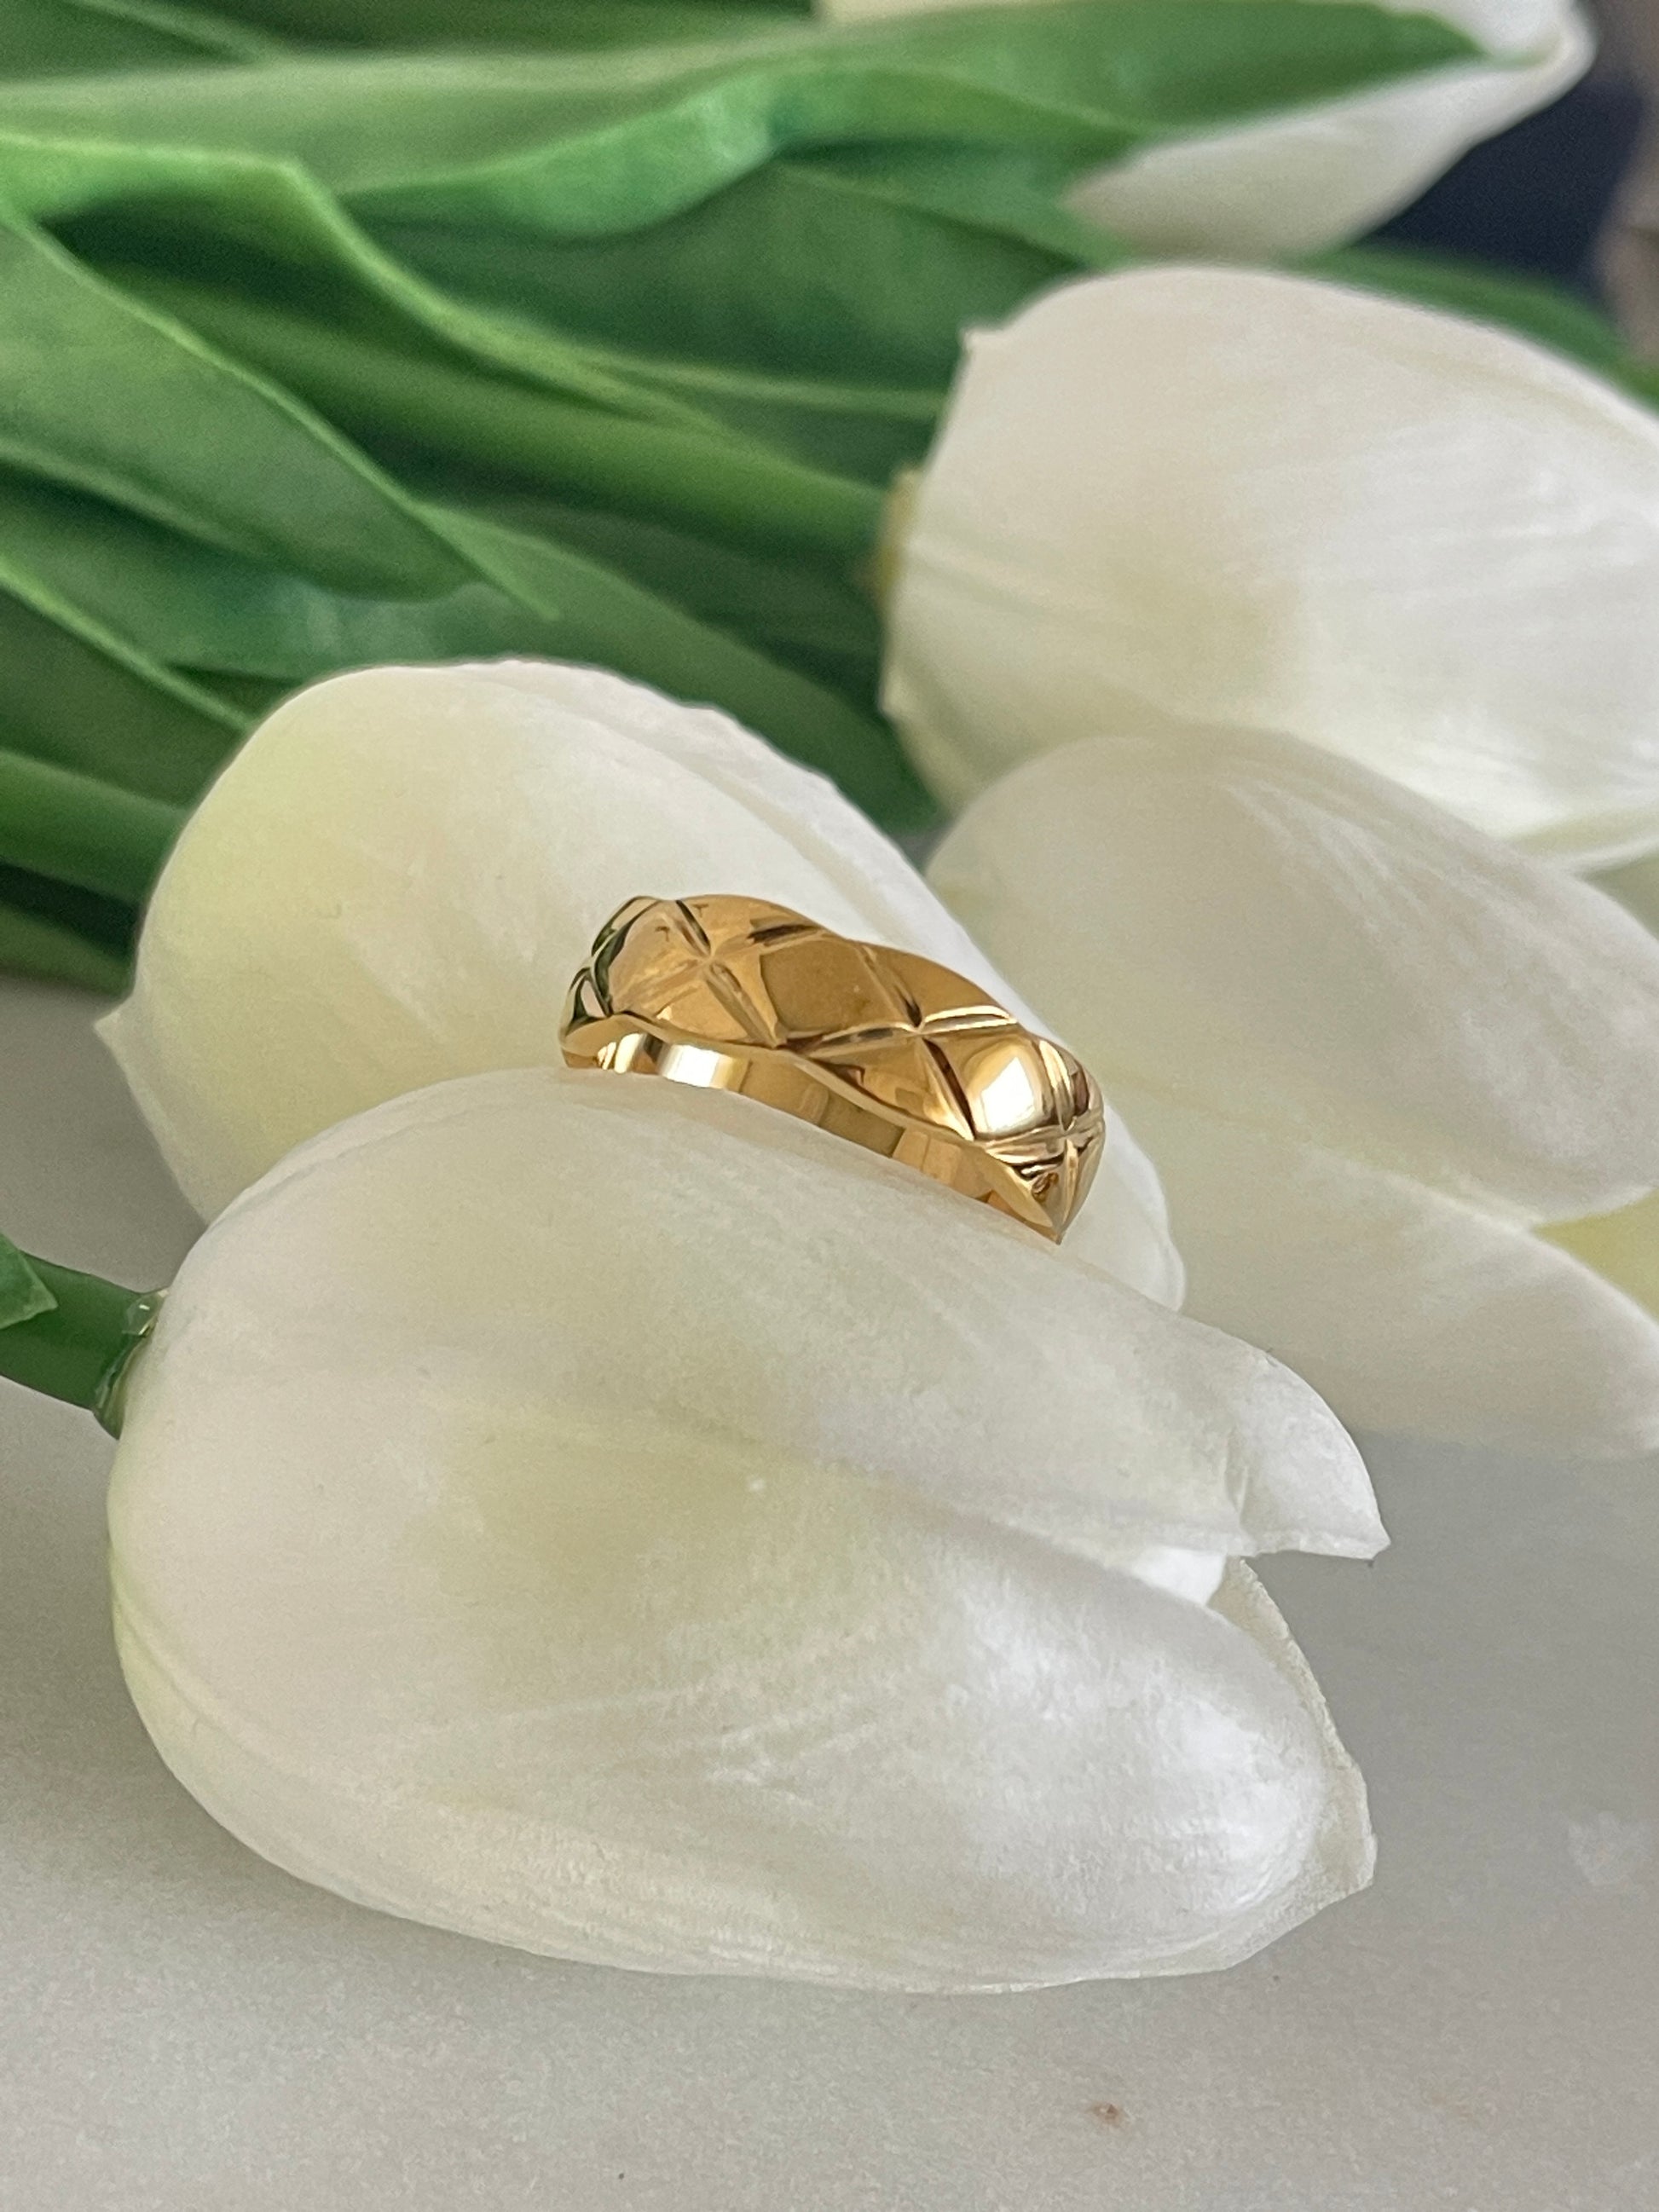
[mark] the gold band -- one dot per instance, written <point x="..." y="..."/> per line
<point x="888" y="1050"/>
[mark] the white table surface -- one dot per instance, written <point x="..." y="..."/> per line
<point x="185" y="2029"/>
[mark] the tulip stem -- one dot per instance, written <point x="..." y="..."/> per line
<point x="79" y="831"/>
<point x="68" y="1335"/>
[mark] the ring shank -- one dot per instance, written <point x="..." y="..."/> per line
<point x="793" y="1086"/>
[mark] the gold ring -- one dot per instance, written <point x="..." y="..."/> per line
<point x="888" y="1050"/>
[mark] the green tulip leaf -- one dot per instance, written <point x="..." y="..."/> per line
<point x="68" y="38"/>
<point x="341" y="331"/>
<point x="590" y="143"/>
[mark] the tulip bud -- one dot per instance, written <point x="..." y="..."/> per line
<point x="1186" y="496"/>
<point x="1310" y="177"/>
<point x="1386" y="1068"/>
<point x="396" y="878"/>
<point x="631" y="1524"/>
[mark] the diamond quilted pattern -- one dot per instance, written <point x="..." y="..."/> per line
<point x="749" y="991"/>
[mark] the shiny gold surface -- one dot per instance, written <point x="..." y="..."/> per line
<point x="883" y="1048"/>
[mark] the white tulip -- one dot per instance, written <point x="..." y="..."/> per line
<point x="1385" y="1067"/>
<point x="625" y="1521"/>
<point x="1186" y="496"/>
<point x="396" y="878"/>
<point x="1311" y="177"/>
<point x="631" y="1524"/>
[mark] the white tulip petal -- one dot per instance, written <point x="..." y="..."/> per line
<point x="1191" y="495"/>
<point x="513" y="1530"/>
<point x="1407" y="1309"/>
<point x="1344" y="1835"/>
<point x="1258" y="930"/>
<point x="1317" y="176"/>
<point x="395" y="879"/>
<point x="919" y="1326"/>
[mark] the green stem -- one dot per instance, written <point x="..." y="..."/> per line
<point x="79" y="831"/>
<point x="78" y="1348"/>
<point x="710" y="482"/>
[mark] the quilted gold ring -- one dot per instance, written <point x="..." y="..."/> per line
<point x="892" y="1052"/>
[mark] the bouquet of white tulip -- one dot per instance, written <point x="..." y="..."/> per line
<point x="500" y="1500"/>
<point x="493" y="1351"/>
<point x="631" y="1524"/>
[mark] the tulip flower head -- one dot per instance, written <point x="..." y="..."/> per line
<point x="633" y="1524"/>
<point x="1209" y="497"/>
<point x="629" y="1525"/>
<point x="395" y="879"/>
<point x="1401" y="1082"/>
<point x="1309" y="176"/>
